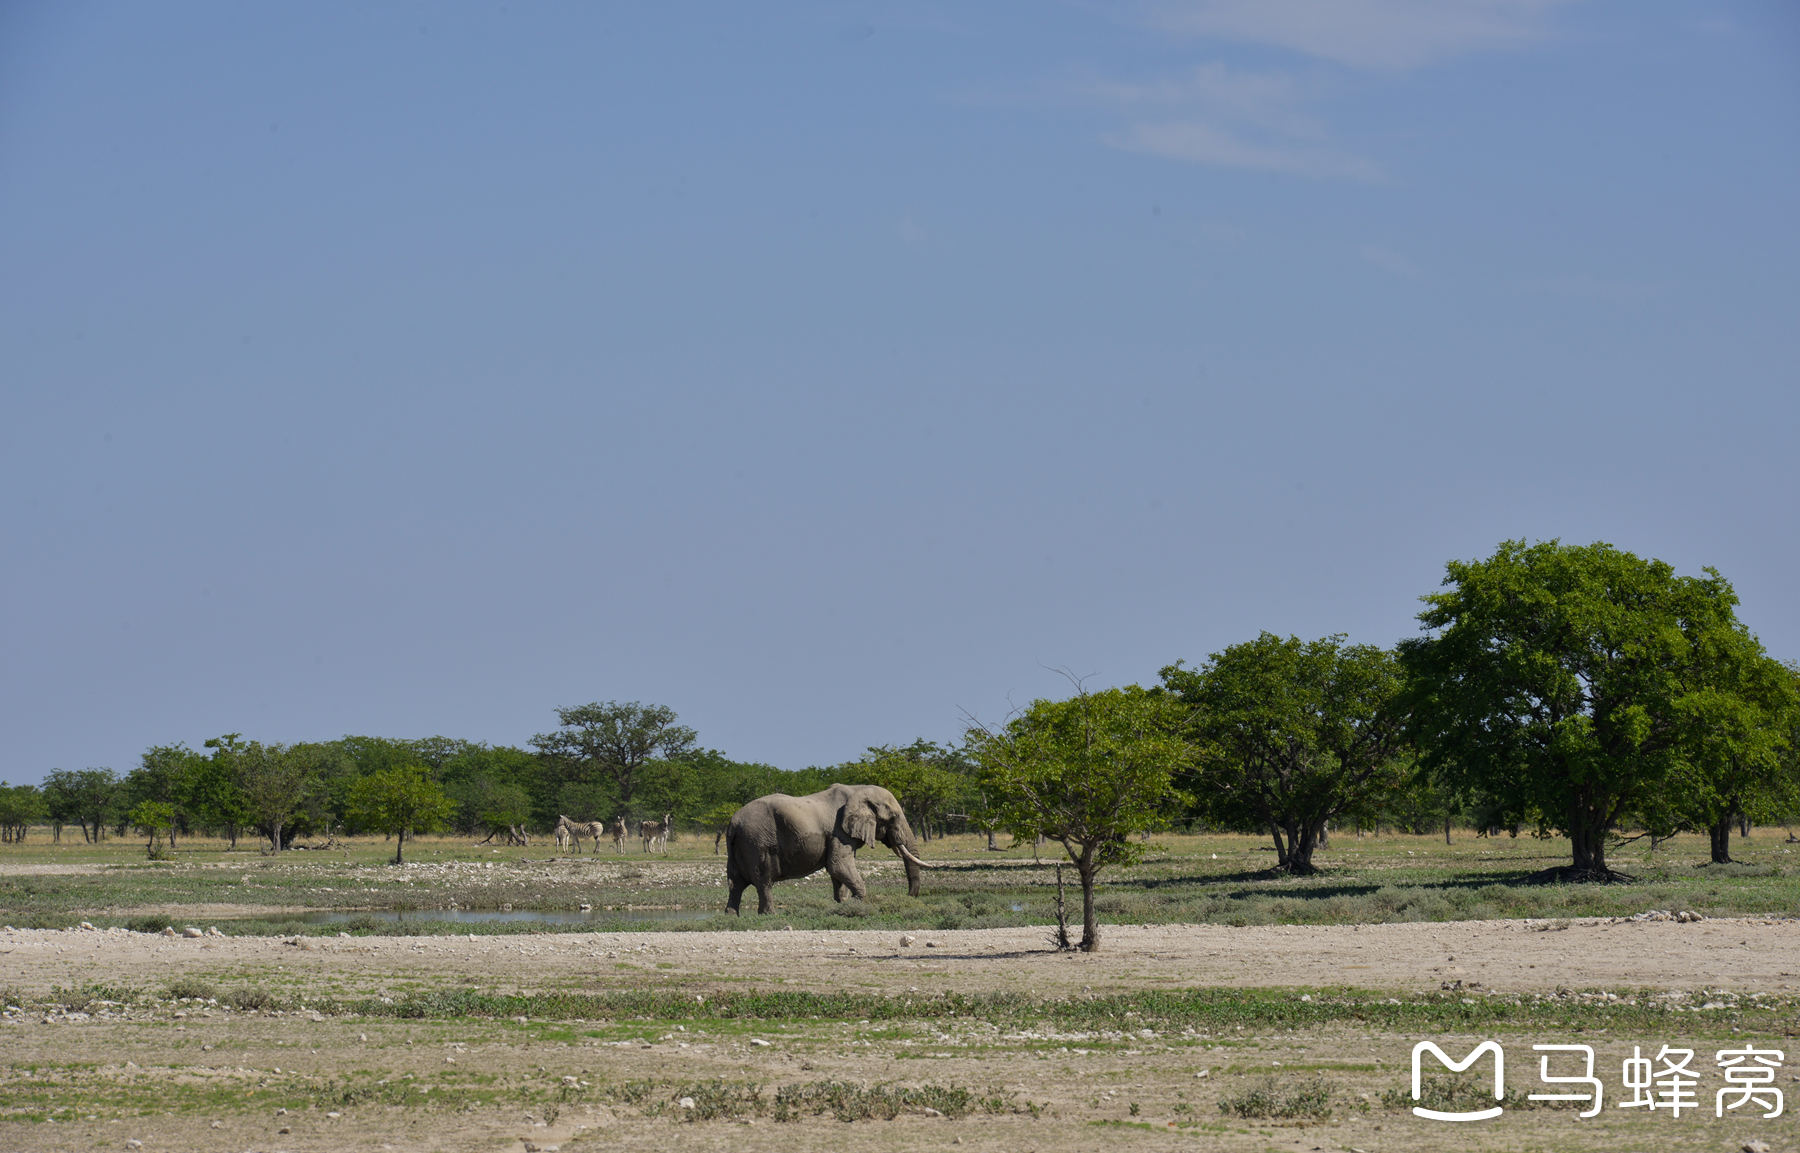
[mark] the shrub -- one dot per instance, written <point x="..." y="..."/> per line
<point x="1270" y="1099"/>
<point x="191" y="987"/>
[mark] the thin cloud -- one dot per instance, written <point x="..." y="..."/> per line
<point x="1383" y="35"/>
<point x="1268" y="100"/>
<point x="1201" y="143"/>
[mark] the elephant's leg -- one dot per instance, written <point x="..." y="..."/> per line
<point x="841" y="864"/>
<point x="737" y="896"/>
<point x="765" y="902"/>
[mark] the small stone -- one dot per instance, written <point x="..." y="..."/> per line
<point x="1756" y="1147"/>
<point x="686" y="1102"/>
<point x="134" y="1143"/>
<point x="333" y="1116"/>
<point x="907" y="941"/>
<point x="192" y="931"/>
<point x="285" y="1129"/>
<point x="1202" y="1074"/>
<point x="344" y="935"/>
<point x="214" y="931"/>
<point x="929" y="1112"/>
<point x="759" y="1042"/>
<point x="88" y="925"/>
<point x="931" y="944"/>
<point x="169" y="932"/>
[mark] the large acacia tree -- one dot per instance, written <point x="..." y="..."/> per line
<point x="1291" y="734"/>
<point x="1560" y="679"/>
<point x="1086" y="773"/>
<point x="614" y="741"/>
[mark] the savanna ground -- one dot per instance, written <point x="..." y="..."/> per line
<point x="1227" y="1009"/>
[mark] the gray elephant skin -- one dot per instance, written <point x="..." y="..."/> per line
<point x="783" y="838"/>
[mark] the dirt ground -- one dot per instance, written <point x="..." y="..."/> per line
<point x="1743" y="955"/>
<point x="209" y="1073"/>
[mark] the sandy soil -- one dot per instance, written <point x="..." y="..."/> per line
<point x="1743" y="955"/>
<point x="1128" y="1090"/>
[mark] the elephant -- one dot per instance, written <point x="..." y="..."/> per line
<point x="783" y="838"/>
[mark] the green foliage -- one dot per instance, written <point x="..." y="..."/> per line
<point x="1088" y="773"/>
<point x="275" y="781"/>
<point x="613" y="741"/>
<point x="1290" y="734"/>
<point x="1559" y="678"/>
<point x="21" y="806"/>
<point x="155" y="819"/>
<point x="398" y="801"/>
<point x="87" y="797"/>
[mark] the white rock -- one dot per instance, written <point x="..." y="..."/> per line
<point x="759" y="1042"/>
<point x="192" y="931"/>
<point x="907" y="940"/>
<point x="686" y="1102"/>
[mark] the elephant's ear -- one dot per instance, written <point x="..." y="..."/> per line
<point x="856" y="820"/>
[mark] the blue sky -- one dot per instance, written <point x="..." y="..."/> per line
<point x="834" y="373"/>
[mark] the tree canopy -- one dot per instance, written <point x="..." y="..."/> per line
<point x="613" y="742"/>
<point x="1560" y="680"/>
<point x="1086" y="773"/>
<point x="400" y="800"/>
<point x="1290" y="734"/>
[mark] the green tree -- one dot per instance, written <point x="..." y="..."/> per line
<point x="1290" y="734"/>
<point x="613" y="742"/>
<point x="212" y="794"/>
<point x="21" y="806"/>
<point x="154" y="819"/>
<point x="399" y="801"/>
<point x="1555" y="676"/>
<point x="87" y="797"/>
<point x="276" y="780"/>
<point x="1740" y="720"/>
<point x="162" y="775"/>
<point x="1086" y="773"/>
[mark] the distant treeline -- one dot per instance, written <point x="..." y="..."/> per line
<point x="1576" y="690"/>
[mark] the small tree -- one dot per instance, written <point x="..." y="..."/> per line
<point x="399" y="801"/>
<point x="1087" y="773"/>
<point x="154" y="819"/>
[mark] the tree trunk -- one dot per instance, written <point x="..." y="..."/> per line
<point x="1589" y="845"/>
<point x="1720" y="831"/>
<point x="1446" y="828"/>
<point x="1302" y="841"/>
<point x="1090" y="924"/>
<point x="399" y="847"/>
<point x="1281" y="846"/>
<point x="275" y="835"/>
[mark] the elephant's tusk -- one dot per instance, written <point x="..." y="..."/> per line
<point x="904" y="852"/>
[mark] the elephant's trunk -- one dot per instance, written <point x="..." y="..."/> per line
<point x="907" y="846"/>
